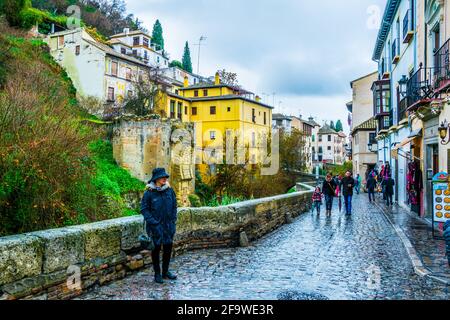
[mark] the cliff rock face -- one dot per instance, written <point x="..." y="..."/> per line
<point x="140" y="145"/>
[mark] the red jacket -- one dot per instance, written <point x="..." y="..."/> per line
<point x="317" y="196"/>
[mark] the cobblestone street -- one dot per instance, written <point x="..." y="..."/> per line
<point x="358" y="257"/>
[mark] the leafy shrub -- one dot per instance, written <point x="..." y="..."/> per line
<point x="51" y="173"/>
<point x="195" y="201"/>
<point x="225" y="200"/>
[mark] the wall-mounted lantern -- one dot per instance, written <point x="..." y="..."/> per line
<point x="403" y="86"/>
<point x="443" y="132"/>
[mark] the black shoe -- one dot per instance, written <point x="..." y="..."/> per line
<point x="158" y="279"/>
<point x="170" y="276"/>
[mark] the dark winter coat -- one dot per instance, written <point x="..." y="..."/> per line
<point x="348" y="183"/>
<point x="388" y="185"/>
<point x="371" y="184"/>
<point x="447" y="238"/>
<point x="329" y="188"/>
<point x="159" y="208"/>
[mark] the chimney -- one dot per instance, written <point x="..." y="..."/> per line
<point x="126" y="31"/>
<point x="186" y="81"/>
<point x="258" y="99"/>
<point x="217" y="79"/>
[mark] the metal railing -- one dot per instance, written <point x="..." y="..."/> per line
<point x="402" y="110"/>
<point x="441" y="73"/>
<point x="420" y="85"/>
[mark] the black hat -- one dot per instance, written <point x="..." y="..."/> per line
<point x="159" y="173"/>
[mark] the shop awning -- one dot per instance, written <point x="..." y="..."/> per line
<point x="398" y="151"/>
<point x="403" y="143"/>
<point x="416" y="134"/>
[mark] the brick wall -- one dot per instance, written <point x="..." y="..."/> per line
<point x="63" y="263"/>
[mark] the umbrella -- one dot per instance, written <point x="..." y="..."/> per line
<point x="340" y="204"/>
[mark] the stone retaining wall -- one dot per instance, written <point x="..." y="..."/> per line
<point x="63" y="263"/>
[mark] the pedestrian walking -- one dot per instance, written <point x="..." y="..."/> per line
<point x="159" y="208"/>
<point x="317" y="200"/>
<point x="388" y="186"/>
<point x="348" y="183"/>
<point x="447" y="239"/>
<point x="358" y="184"/>
<point x="329" y="191"/>
<point x="371" y="185"/>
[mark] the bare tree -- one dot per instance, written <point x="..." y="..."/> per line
<point x="149" y="88"/>
<point x="229" y="78"/>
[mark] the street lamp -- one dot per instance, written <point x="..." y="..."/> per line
<point x="443" y="132"/>
<point x="403" y="85"/>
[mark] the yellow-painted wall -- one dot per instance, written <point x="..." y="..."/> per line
<point x="230" y="114"/>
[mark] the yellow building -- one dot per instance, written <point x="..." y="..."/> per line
<point x="219" y="109"/>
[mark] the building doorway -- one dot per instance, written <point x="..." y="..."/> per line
<point x="432" y="168"/>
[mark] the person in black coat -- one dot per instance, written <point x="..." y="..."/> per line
<point x="348" y="183"/>
<point x="159" y="208"/>
<point x="388" y="184"/>
<point x="371" y="184"/>
<point x="329" y="191"/>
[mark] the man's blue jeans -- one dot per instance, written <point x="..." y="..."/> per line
<point x="348" y="204"/>
<point x="329" y="202"/>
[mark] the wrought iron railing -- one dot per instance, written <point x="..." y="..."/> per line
<point x="441" y="74"/>
<point x="420" y="86"/>
<point x="402" y="110"/>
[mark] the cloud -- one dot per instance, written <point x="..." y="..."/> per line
<point x="303" y="50"/>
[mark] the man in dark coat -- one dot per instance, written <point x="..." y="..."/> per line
<point x="348" y="183"/>
<point x="371" y="184"/>
<point x="388" y="184"/>
<point x="159" y="208"/>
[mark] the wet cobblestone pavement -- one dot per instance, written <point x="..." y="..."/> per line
<point x="358" y="257"/>
<point x="431" y="250"/>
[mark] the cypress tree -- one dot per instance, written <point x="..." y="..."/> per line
<point x="157" y="35"/>
<point x="339" y="127"/>
<point x="187" y="62"/>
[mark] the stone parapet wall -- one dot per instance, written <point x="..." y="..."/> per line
<point x="64" y="263"/>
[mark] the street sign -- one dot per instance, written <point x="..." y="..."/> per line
<point x="441" y="197"/>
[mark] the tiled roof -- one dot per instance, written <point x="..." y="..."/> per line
<point x="370" y="124"/>
<point x="112" y="52"/>
<point x="130" y="33"/>
<point x="214" y="98"/>
<point x="326" y="129"/>
<point x="279" y="116"/>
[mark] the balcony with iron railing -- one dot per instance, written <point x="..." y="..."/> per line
<point x="408" y="26"/>
<point x="419" y="88"/>
<point x="402" y="113"/>
<point x="441" y="74"/>
<point x="395" y="51"/>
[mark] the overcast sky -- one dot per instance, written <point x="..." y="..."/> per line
<point x="306" y="51"/>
